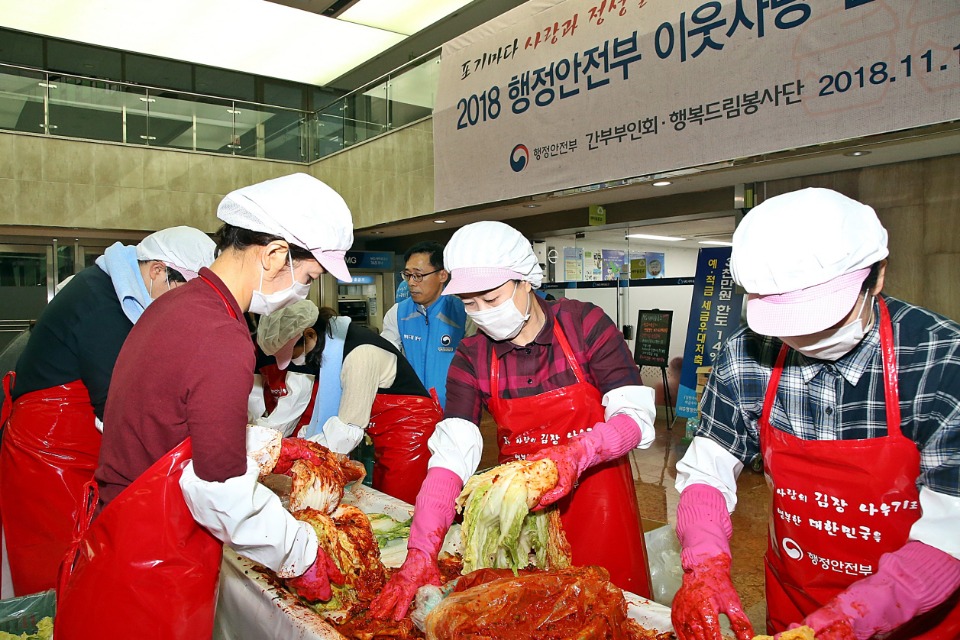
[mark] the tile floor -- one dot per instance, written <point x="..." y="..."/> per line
<point x="654" y="472"/>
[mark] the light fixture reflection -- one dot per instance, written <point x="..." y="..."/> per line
<point x="645" y="236"/>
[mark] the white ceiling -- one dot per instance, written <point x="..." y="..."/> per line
<point x="253" y="36"/>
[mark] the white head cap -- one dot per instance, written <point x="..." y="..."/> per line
<point x="301" y="210"/>
<point x="803" y="257"/>
<point x="184" y="249"/>
<point x="483" y="255"/>
<point x="278" y="332"/>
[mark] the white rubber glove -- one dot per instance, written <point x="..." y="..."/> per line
<point x="245" y="515"/>
<point x="637" y="402"/>
<point x="338" y="436"/>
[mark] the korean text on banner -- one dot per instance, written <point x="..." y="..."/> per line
<point x="714" y="315"/>
<point x="557" y="94"/>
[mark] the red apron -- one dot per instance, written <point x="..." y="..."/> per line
<point x="49" y="452"/>
<point x="400" y="427"/>
<point x="838" y="505"/>
<point x="274" y="385"/>
<point x="600" y="516"/>
<point x="144" y="568"/>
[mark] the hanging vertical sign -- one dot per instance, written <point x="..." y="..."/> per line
<point x="714" y="315"/>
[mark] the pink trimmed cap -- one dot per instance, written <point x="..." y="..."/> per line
<point x="476" y="279"/>
<point x="805" y="311"/>
<point x="186" y="273"/>
<point x="285" y="354"/>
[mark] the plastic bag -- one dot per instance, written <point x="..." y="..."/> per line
<point x="663" y="556"/>
<point x="21" y="615"/>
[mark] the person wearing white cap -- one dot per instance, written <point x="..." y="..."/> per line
<point x="175" y="481"/>
<point x="363" y="387"/>
<point x="560" y="382"/>
<point x="852" y="399"/>
<point x="52" y="439"/>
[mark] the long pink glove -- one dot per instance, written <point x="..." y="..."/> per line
<point x="314" y="584"/>
<point x="909" y="581"/>
<point x="432" y="516"/>
<point x="606" y="441"/>
<point x="704" y="529"/>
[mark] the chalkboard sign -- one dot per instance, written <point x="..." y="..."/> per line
<point x="653" y="338"/>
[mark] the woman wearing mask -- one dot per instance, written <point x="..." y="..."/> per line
<point x="560" y="382"/>
<point x="52" y="440"/>
<point x="174" y="479"/>
<point x="364" y="386"/>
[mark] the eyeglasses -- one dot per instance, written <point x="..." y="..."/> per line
<point x="409" y="276"/>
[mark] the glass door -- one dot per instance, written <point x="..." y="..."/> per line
<point x="26" y="285"/>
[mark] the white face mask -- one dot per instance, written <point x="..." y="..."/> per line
<point x="504" y="321"/>
<point x="833" y="344"/>
<point x="267" y="303"/>
<point x="300" y="360"/>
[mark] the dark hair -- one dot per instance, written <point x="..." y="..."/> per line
<point x="231" y="237"/>
<point x="175" y="276"/>
<point x="172" y="274"/>
<point x="323" y="329"/>
<point x="872" y="277"/>
<point x="435" y="249"/>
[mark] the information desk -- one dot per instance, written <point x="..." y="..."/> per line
<point x="251" y="606"/>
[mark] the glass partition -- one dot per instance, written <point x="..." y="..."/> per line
<point x="95" y="109"/>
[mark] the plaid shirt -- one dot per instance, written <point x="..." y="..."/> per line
<point x="541" y="366"/>
<point x="844" y="400"/>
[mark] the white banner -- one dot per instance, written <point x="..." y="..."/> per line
<point x="555" y="95"/>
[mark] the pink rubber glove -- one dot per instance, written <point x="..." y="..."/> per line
<point x="314" y="584"/>
<point x="606" y="441"/>
<point x="909" y="581"/>
<point x="704" y="530"/>
<point x="432" y="516"/>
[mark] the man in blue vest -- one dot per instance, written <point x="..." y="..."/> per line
<point x="427" y="326"/>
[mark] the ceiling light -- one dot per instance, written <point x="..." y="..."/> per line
<point x="720" y="243"/>
<point x="662" y="183"/>
<point x="47" y="85"/>
<point x="233" y="111"/>
<point x="440" y="221"/>
<point x="856" y="154"/>
<point x="148" y="99"/>
<point x="530" y="206"/>
<point x="644" y="236"/>
<point x="400" y="17"/>
<point x="377" y="233"/>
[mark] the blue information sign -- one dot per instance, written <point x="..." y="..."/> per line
<point x="714" y="315"/>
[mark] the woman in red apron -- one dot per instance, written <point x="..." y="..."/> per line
<point x="175" y="480"/>
<point x="52" y="441"/>
<point x="360" y="378"/>
<point x="856" y="549"/>
<point x="807" y="566"/>
<point x="561" y="384"/>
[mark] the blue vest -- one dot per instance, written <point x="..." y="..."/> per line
<point x="429" y="341"/>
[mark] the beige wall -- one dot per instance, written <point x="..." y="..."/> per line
<point x="919" y="204"/>
<point x="53" y="182"/>
<point x="69" y="183"/>
<point x="387" y="179"/>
